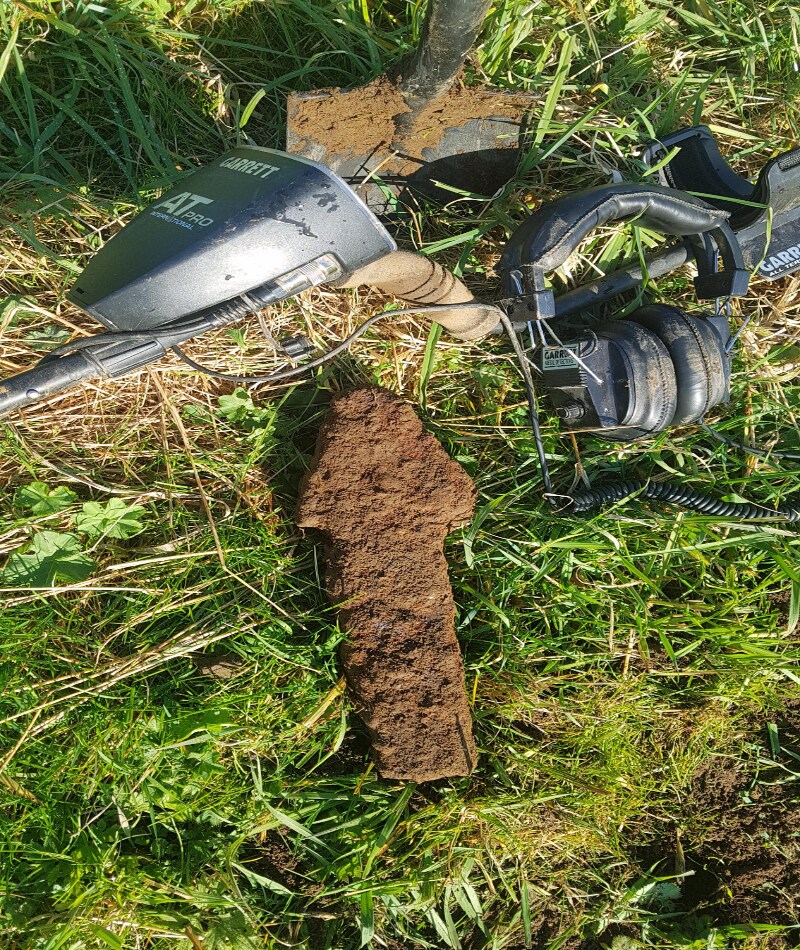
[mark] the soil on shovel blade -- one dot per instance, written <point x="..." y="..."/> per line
<point x="386" y="495"/>
<point x="368" y="118"/>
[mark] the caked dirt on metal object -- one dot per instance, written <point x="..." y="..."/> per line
<point x="366" y="119"/>
<point x="386" y="495"/>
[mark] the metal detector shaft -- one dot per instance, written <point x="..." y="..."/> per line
<point x="45" y="380"/>
<point x="51" y="377"/>
<point x="626" y="278"/>
<point x="122" y="353"/>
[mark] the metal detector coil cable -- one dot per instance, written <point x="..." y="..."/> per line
<point x="169" y="338"/>
<point x="280" y="376"/>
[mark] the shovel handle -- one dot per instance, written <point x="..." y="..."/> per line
<point x="450" y="29"/>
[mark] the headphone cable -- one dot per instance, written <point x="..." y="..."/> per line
<point x="533" y="405"/>
<point x="671" y="493"/>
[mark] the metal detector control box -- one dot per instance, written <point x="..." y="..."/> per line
<point x="250" y="218"/>
<point x="765" y="215"/>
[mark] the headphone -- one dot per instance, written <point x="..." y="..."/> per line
<point x="635" y="376"/>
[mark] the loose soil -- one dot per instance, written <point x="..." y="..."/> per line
<point x="220" y="666"/>
<point x="782" y="602"/>
<point x="386" y="494"/>
<point x="740" y="840"/>
<point x="272" y="858"/>
<point x="348" y="120"/>
<point x="371" y="118"/>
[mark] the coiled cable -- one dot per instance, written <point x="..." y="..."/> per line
<point x="669" y="493"/>
<point x="672" y="493"/>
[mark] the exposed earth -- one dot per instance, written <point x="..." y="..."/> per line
<point x="745" y="850"/>
<point x="738" y="844"/>
<point x="386" y="495"/>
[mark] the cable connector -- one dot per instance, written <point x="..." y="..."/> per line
<point x="296" y="347"/>
<point x="531" y="298"/>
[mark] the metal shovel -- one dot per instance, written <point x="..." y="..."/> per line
<point x="417" y="130"/>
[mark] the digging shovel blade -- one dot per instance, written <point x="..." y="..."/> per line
<point x="418" y="132"/>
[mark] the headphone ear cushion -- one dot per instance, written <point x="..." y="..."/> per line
<point x="652" y="389"/>
<point x="698" y="357"/>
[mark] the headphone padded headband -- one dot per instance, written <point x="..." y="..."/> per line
<point x="548" y="237"/>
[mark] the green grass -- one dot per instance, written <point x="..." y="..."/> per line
<point x="144" y="803"/>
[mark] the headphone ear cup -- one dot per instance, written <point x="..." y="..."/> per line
<point x="698" y="357"/>
<point x="652" y="389"/>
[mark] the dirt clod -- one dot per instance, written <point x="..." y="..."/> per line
<point x="386" y="495"/>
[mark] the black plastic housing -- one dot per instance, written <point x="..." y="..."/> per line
<point x="580" y="401"/>
<point x="765" y="215"/>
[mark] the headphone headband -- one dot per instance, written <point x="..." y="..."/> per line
<point x="550" y="235"/>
